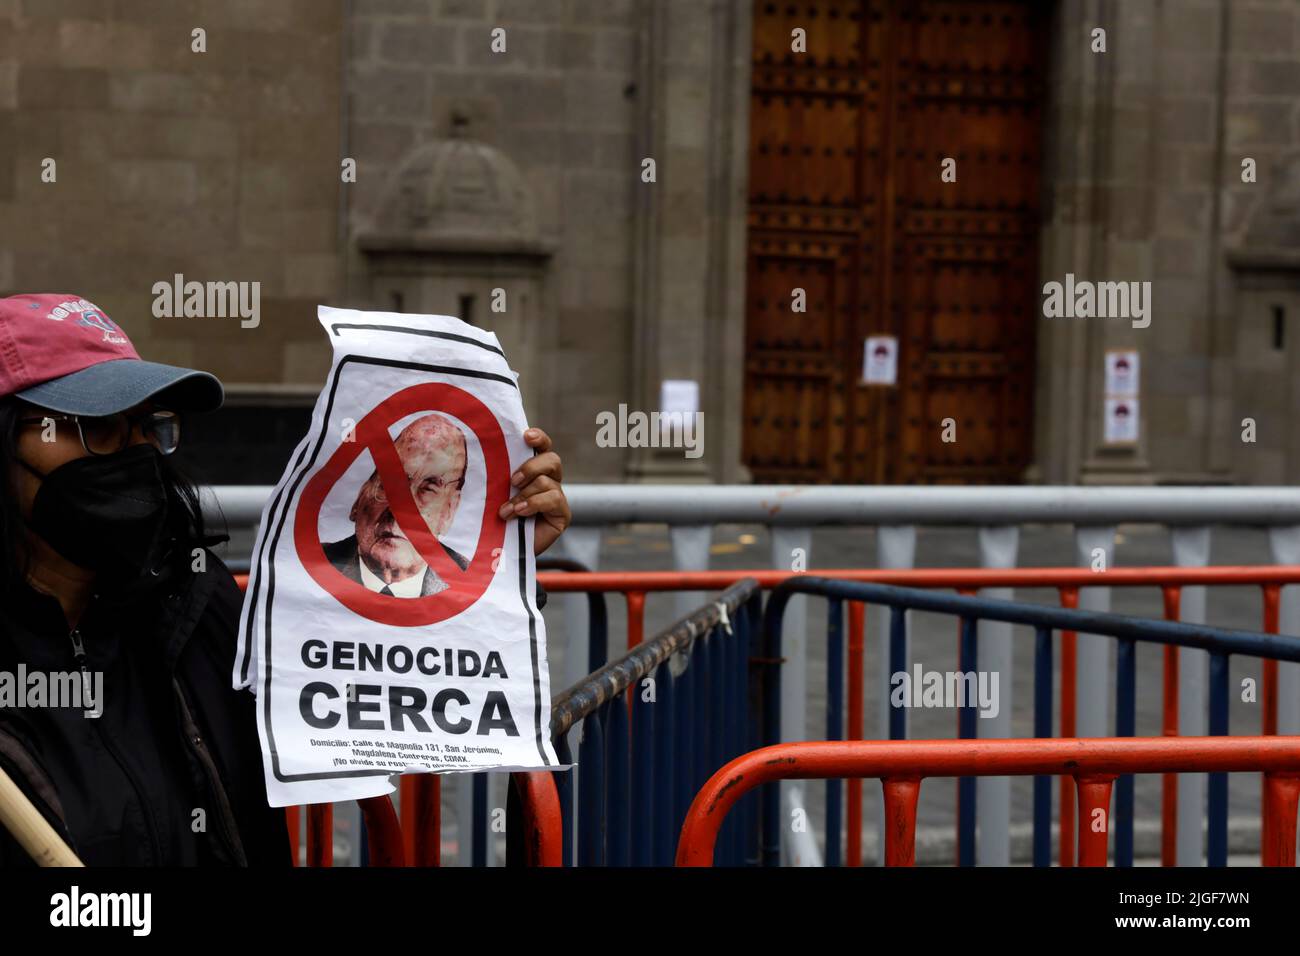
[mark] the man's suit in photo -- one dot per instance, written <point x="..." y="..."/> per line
<point x="345" y="557"/>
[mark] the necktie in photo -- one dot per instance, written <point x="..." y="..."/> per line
<point x="386" y="590"/>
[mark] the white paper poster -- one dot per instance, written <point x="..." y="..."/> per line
<point x="880" y="360"/>
<point x="1121" y="421"/>
<point x="1122" y="370"/>
<point x="679" y="395"/>
<point x="389" y="624"/>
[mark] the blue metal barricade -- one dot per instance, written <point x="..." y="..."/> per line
<point x="652" y="737"/>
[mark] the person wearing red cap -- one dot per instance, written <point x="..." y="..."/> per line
<point x="106" y="573"/>
<point x="100" y="537"/>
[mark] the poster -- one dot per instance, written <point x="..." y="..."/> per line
<point x="680" y="396"/>
<point x="389" y="624"/>
<point x="880" y="360"/>
<point x="1121" y="427"/>
<point x="1122" y="370"/>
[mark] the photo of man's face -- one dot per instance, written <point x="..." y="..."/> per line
<point x="433" y="454"/>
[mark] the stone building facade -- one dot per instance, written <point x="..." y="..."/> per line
<point x="515" y="180"/>
<point x="1144" y="181"/>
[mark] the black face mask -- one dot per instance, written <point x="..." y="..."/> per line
<point x="106" y="513"/>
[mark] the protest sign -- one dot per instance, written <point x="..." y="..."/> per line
<point x="1122" y="373"/>
<point x="1121" y="421"/>
<point x="880" y="360"/>
<point x="389" y="624"/>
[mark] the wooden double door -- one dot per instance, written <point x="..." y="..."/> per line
<point x="848" y="202"/>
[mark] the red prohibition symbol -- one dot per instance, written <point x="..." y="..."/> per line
<point x="371" y="434"/>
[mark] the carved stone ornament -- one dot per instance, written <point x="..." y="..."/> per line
<point x="457" y="194"/>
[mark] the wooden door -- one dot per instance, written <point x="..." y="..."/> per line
<point x="853" y="232"/>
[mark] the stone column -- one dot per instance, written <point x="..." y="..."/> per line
<point x="689" y="267"/>
<point x="1080" y="229"/>
<point x="1137" y="169"/>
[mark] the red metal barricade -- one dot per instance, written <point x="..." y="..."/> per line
<point x="421" y="798"/>
<point x="543" y="840"/>
<point x="1093" y="763"/>
<point x="383" y="833"/>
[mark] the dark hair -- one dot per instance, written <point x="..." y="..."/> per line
<point x="187" y="529"/>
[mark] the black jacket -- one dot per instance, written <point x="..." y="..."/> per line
<point x="180" y="739"/>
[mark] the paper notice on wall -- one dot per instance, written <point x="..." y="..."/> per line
<point x="1121" y="426"/>
<point x="389" y="624"/>
<point x="880" y="360"/>
<point x="1122" y="370"/>
<point x="679" y="395"/>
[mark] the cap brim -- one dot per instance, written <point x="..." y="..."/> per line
<point x="114" y="386"/>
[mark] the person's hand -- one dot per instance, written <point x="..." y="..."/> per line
<point x="539" y="492"/>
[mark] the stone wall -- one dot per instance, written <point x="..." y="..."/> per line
<point x="1258" y="306"/>
<point x="1144" y="183"/>
<point x="560" y="103"/>
<point x="224" y="165"/>
<point x="219" y="165"/>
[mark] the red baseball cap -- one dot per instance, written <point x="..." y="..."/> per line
<point x="65" y="354"/>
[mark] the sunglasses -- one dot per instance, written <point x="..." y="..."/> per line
<point x="107" y="434"/>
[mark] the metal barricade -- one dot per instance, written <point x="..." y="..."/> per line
<point x="1068" y="582"/>
<point x="996" y="518"/>
<point x="1128" y="631"/>
<point x="421" y="793"/>
<point x="381" y="833"/>
<point x="1094" y="764"/>
<point x="651" y="736"/>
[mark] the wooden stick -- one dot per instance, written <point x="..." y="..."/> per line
<point x="32" y="831"/>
